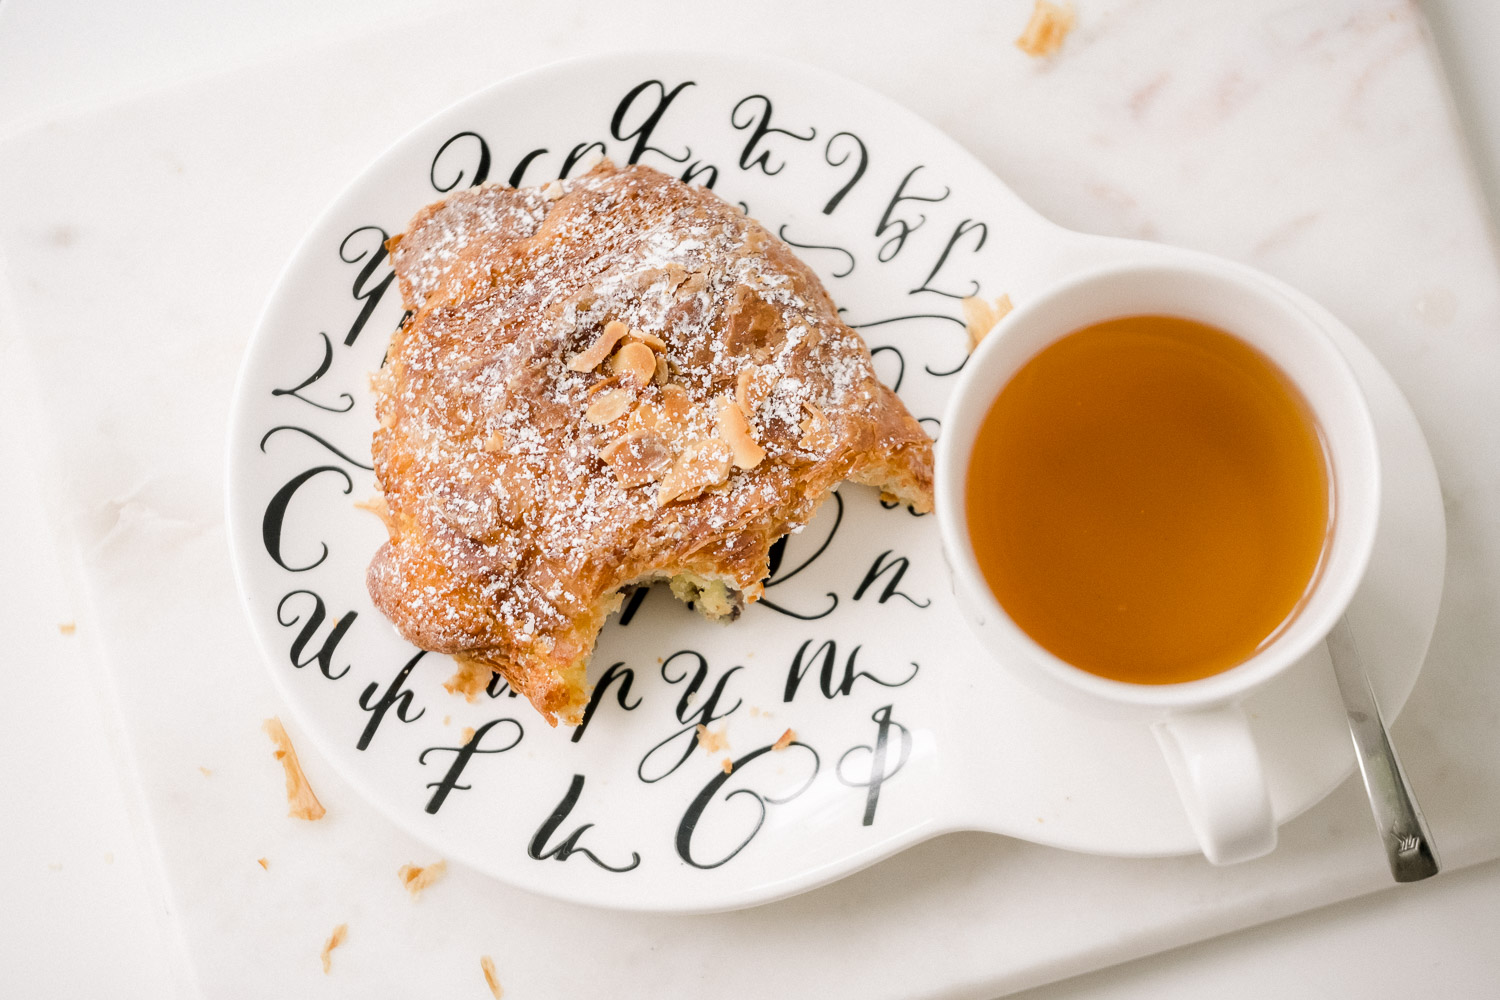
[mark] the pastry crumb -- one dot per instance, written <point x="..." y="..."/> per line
<point x="711" y="741"/>
<point x="487" y="966"/>
<point x="334" y="940"/>
<point x="376" y="505"/>
<point x="416" y="877"/>
<point x="470" y="679"/>
<point x="207" y="771"/>
<point x="1049" y="25"/>
<point x="727" y="765"/>
<point x="299" y="794"/>
<point x="980" y="317"/>
<point x="263" y="863"/>
<point x="67" y="628"/>
<point x="466" y="736"/>
<point x="784" y="740"/>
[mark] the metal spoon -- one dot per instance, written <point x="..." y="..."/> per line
<point x="1408" y="845"/>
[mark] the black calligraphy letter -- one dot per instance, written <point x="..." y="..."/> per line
<point x="698" y="168"/>
<point x="616" y="671"/>
<point x="828" y="652"/>
<point x="275" y="516"/>
<point x="690" y="720"/>
<point x="775" y="576"/>
<point x="520" y="172"/>
<point x="322" y="441"/>
<point x="538" y="850"/>
<point x="859" y="168"/>
<point x="642" y="133"/>
<point x="849" y="257"/>
<point x="959" y="232"/>
<point x="632" y="605"/>
<point x="762" y="128"/>
<point x="577" y="153"/>
<point x="897" y="567"/>
<point x="694" y="814"/>
<point x="461" y="757"/>
<point x="393" y="696"/>
<point x="904" y="228"/>
<point x="369" y="296"/>
<point x="879" y="754"/>
<point x="324" y="656"/>
<point x="322" y="369"/>
<point x="481" y="169"/>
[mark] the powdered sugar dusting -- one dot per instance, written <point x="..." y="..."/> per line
<point x="511" y="533"/>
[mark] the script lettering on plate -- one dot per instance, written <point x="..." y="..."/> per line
<point x="658" y="762"/>
<point x="694" y="818"/>
<point x="833" y="681"/>
<point x="463" y="754"/>
<point x="881" y="767"/>
<point x="569" y="846"/>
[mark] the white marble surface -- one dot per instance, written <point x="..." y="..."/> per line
<point x="998" y="916"/>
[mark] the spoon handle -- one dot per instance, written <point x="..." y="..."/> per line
<point x="1408" y="844"/>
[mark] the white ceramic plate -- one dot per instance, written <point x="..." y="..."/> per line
<point x="904" y="731"/>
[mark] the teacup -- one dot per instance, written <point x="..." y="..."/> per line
<point x="1199" y="724"/>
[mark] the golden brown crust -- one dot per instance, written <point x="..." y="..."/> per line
<point x="531" y="473"/>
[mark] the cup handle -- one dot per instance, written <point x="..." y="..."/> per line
<point x="1216" y="767"/>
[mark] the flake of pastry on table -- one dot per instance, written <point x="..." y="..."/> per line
<point x="610" y="380"/>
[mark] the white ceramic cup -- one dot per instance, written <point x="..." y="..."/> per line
<point x="1200" y="726"/>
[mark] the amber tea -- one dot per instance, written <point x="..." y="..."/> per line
<point x="1148" y="499"/>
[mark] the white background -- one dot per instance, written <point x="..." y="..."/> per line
<point x="75" y="911"/>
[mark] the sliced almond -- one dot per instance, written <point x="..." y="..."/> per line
<point x="744" y="390"/>
<point x="702" y="464"/>
<point x="591" y="357"/>
<point x="637" y="458"/>
<point x="299" y="794"/>
<point x="735" y="430"/>
<point x="1003" y="306"/>
<point x="694" y="284"/>
<point x="487" y="966"/>
<point x="651" y="340"/>
<point x="553" y="190"/>
<point x="663" y="371"/>
<point x="676" y="402"/>
<point x="340" y="933"/>
<point x="634" y="363"/>
<point x="817" y="431"/>
<point x="1045" y="31"/>
<point x="980" y="317"/>
<point x="493" y="443"/>
<point x="418" y="877"/>
<point x="608" y="382"/>
<point x="608" y="407"/>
